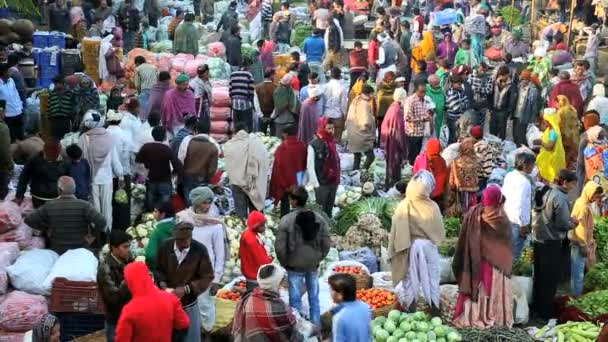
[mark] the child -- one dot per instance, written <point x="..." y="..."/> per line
<point x="350" y="317"/>
<point x="80" y="171"/>
<point x="252" y="252"/>
<point x="165" y="222"/>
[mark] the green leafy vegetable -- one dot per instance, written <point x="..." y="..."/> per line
<point x="597" y="278"/>
<point x="511" y="16"/>
<point x="593" y="303"/>
<point x="381" y="207"/>
<point x="600" y="233"/>
<point x="452" y="227"/>
<point x="300" y="32"/>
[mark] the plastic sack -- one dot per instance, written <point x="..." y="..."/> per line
<point x="10" y="216"/>
<point x="31" y="269"/>
<point x="220" y="138"/>
<point x="3" y="282"/>
<point x="220" y="97"/>
<point x="525" y="283"/>
<point x="255" y="27"/>
<point x="8" y="253"/>
<point x="475" y="24"/>
<point x="32" y="113"/>
<point x="497" y="176"/>
<point x="220" y="127"/>
<point x="347" y="161"/>
<point x="521" y="311"/>
<point x="446" y="275"/>
<point x="363" y="255"/>
<point x="64" y="267"/>
<point x="532" y="134"/>
<point x="450" y="153"/>
<point x="8" y="336"/>
<point x="216" y="49"/>
<point x="445" y="17"/>
<point x="36" y="242"/>
<point x="20" y="311"/>
<point x="218" y="69"/>
<point x="22" y="236"/>
<point x="383" y="280"/>
<point x="221" y="114"/>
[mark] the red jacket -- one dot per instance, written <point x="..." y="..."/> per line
<point x="372" y="52"/>
<point x="253" y="254"/>
<point x="152" y="314"/>
<point x="289" y="159"/>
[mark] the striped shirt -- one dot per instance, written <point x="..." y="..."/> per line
<point x="145" y="77"/>
<point x="241" y="90"/>
<point x="267" y="11"/>
<point x="61" y="104"/>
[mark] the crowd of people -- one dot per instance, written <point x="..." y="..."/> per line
<point x="416" y="88"/>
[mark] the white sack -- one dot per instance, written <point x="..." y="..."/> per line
<point x="75" y="265"/>
<point x="30" y="270"/>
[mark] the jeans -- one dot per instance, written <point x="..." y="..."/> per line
<point x="518" y="241"/>
<point x="241" y="202"/>
<point x="326" y="196"/>
<point x="144" y="96"/>
<point x="577" y="270"/>
<point x="110" y="331"/>
<point x="194" y="330"/>
<point x="158" y="193"/>
<point x="450" y="122"/>
<point x="188" y="184"/>
<point x="243" y="116"/>
<point x="519" y="132"/>
<point x="312" y="287"/>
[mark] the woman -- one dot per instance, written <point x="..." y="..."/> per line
<point x="582" y="242"/>
<point x="157" y="93"/>
<point x="115" y="99"/>
<point x="421" y="50"/>
<point x="432" y="161"/>
<point x="595" y="136"/>
<point x="361" y="128"/>
<point x="79" y="24"/>
<point x="570" y="128"/>
<point x="384" y="97"/>
<point x="355" y="90"/>
<point x="482" y="265"/>
<point x="177" y="103"/>
<point x="86" y="97"/>
<point x="447" y="49"/>
<point x="392" y="138"/>
<point x="464" y="180"/>
<point x="552" y="157"/>
<point x="323" y="165"/>
<point x="285" y="105"/>
<point x="416" y="231"/>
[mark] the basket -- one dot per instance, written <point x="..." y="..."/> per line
<point x="363" y="281"/>
<point x="75" y="297"/>
<point x="383" y="311"/>
<point x="224" y="314"/>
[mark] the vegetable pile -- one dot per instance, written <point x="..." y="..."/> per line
<point x="348" y="269"/>
<point x="300" y="32"/>
<point x="600" y="233"/>
<point x="524" y="266"/>
<point x="376" y="298"/>
<point x="368" y="231"/>
<point x="381" y="207"/>
<point x="138" y="192"/>
<point x="593" y="304"/>
<point x="141" y="232"/>
<point x="404" y="327"/>
<point x="452" y="227"/>
<point x="495" y="334"/>
<point x="597" y="278"/>
<point x="570" y="331"/>
<point x="230" y="295"/>
<point x="347" y="195"/>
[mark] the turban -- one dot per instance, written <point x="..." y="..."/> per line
<point x="181" y="79"/>
<point x="525" y="75"/>
<point x="114" y="115"/>
<point x="92" y="119"/>
<point x="200" y="195"/>
<point x="590" y="120"/>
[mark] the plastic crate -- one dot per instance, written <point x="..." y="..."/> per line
<point x="75" y="296"/>
<point x="75" y="325"/>
<point x="40" y="40"/>
<point x="56" y="39"/>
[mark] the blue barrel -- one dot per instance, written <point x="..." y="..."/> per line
<point x="4" y="13"/>
<point x="40" y="40"/>
<point x="57" y="39"/>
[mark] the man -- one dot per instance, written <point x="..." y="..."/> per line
<point x="151" y="314"/>
<point x="357" y="62"/>
<point x="285" y="105"/>
<point x="550" y="225"/>
<point x="288" y="168"/>
<point x="232" y="41"/>
<point x="144" y="135"/>
<point x="567" y="88"/>
<point x="146" y="76"/>
<point x="504" y="100"/>
<point x="456" y="103"/>
<point x="174" y="23"/>
<point x="406" y="36"/>
<point x="6" y="158"/>
<point x="517" y="190"/>
<point x="417" y="115"/>
<point x="111" y="280"/>
<point x="282" y="26"/>
<point x="314" y="81"/>
<point x="203" y="93"/>
<point x="526" y="109"/>
<point x="164" y="214"/>
<point x="591" y="49"/>
<point x="323" y="165"/>
<point x="17" y="76"/>
<point x="418" y="21"/>
<point x="485" y="156"/>
<point x="267" y="13"/>
<point x="229" y="19"/>
<point x="302" y="68"/>
<point x="302" y="242"/>
<point x="336" y="101"/>
<point x="13" y="110"/>
<point x="334" y="43"/>
<point x="481" y="84"/>
<point x="261" y="315"/>
<point x="124" y="146"/>
<point x="128" y="17"/>
<point x="99" y="150"/>
<point x="314" y="49"/>
<point x="41" y="174"/>
<point x="130" y="121"/>
<point x="387" y="57"/>
<point x="177" y="103"/>
<point x="27" y="63"/>
<point x="582" y="78"/>
<point x="183" y="268"/>
<point x="435" y="92"/>
<point x="67" y="221"/>
<point x="158" y="159"/>
<point x="247" y="163"/>
<point x="199" y="154"/>
<point x="186" y="37"/>
<point x="263" y="101"/>
<point x="241" y="97"/>
<point x="252" y="252"/>
<point x="189" y="122"/>
<point x="309" y="115"/>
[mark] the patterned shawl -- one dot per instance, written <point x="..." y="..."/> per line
<point x="43" y="329"/>
<point x="463" y="173"/>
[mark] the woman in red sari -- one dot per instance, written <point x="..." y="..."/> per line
<point x="437" y="166"/>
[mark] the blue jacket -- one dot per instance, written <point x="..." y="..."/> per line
<point x="314" y="48"/>
<point x="351" y="322"/>
<point x="81" y="172"/>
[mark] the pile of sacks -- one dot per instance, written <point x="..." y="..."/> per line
<point x="220" y="111"/>
<point x="12" y="227"/>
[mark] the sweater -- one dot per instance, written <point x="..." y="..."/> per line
<point x="293" y="252"/>
<point x="163" y="231"/>
<point x="252" y="253"/>
<point x="314" y="48"/>
<point x="351" y="322"/>
<point x="157" y="158"/>
<point x="41" y="175"/>
<point x="111" y="285"/>
<point x="61" y="104"/>
<point x="241" y="85"/>
<point x="195" y="271"/>
<point x="201" y="159"/>
<point x="81" y="172"/>
<point x="553" y="215"/>
<point x="233" y="50"/>
<point x="66" y="221"/>
<point x="358" y="60"/>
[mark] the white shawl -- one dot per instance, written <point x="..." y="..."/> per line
<point x="104" y="47"/>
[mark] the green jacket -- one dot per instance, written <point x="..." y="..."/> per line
<point x="6" y="158"/>
<point x="162" y="232"/>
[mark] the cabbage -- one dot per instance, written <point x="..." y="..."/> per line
<point x="422" y="337"/>
<point x="404" y="316"/>
<point x="436" y="321"/>
<point x="422" y="326"/>
<point x="391" y="339"/>
<point x="440" y="331"/>
<point x="379" y="320"/>
<point x="381" y="335"/>
<point x="431" y="336"/>
<point x="453" y="336"/>
<point x="398" y="333"/>
<point x="419" y="316"/>
<point x="441" y="339"/>
<point x="121" y="197"/>
<point x="405" y="326"/>
<point x="403" y="339"/>
<point x="410" y="335"/>
<point x="394" y="315"/>
<point x="390" y="326"/>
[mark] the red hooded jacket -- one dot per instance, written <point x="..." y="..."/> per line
<point x="152" y="314"/>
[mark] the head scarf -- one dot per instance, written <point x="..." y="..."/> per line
<point x="87" y="96"/>
<point x="568" y="120"/>
<point x="76" y="15"/>
<point x="200" y="195"/>
<point x="400" y="95"/>
<point x="331" y="167"/>
<point x="590" y="120"/>
<point x="92" y="119"/>
<point x="271" y="283"/>
<point x="433" y="147"/>
<point x="43" y="328"/>
<point x="593" y="134"/>
<point x="549" y="163"/>
<point x="255" y="219"/>
<point x="463" y="175"/>
<point x="427" y="179"/>
<point x="581" y="212"/>
<point x="437" y="166"/>
<point x="476" y="132"/>
<point x="181" y="79"/>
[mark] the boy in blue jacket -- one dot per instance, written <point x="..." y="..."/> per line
<point x="351" y="317"/>
<point x="80" y="170"/>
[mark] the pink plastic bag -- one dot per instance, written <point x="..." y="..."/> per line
<point x="220" y="83"/>
<point x="10" y="216"/>
<point x="221" y="97"/>
<point x="220" y="127"/>
<point x="220" y="113"/>
<point x="22" y="235"/>
<point x="36" y="242"/>
<point x="494" y="54"/>
<point x="8" y="253"/>
<point x="216" y="49"/>
<point x="7" y="336"/>
<point x="165" y="60"/>
<point x="192" y="66"/>
<point x="185" y="56"/>
<point x="20" y="311"/>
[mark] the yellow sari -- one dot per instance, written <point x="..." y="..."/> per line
<point x="420" y="52"/>
<point x="549" y="163"/>
<point x="570" y="128"/>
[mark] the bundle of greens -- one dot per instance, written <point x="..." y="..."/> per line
<point x="381" y="207"/>
<point x="300" y="32"/>
<point x="452" y="227"/>
<point x="600" y="233"/>
<point x="597" y="278"/>
<point x="511" y="16"/>
<point x="593" y="304"/>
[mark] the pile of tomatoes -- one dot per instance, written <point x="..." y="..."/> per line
<point x="349" y="269"/>
<point x="230" y="295"/>
<point x="376" y="298"/>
